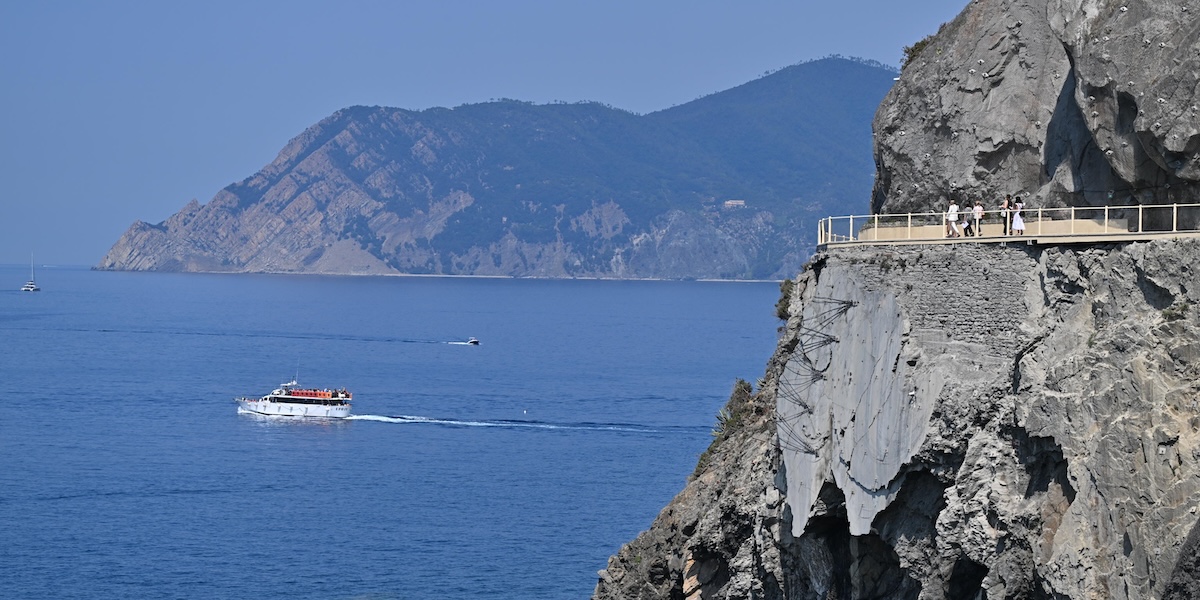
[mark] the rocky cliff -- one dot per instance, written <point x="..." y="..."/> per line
<point x="727" y="186"/>
<point x="978" y="421"/>
<point x="1073" y="102"/>
<point x="954" y="422"/>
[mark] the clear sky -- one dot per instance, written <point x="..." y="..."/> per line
<point x="115" y="111"/>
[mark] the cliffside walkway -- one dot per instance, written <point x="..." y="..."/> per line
<point x="1043" y="226"/>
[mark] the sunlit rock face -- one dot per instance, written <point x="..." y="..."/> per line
<point x="1071" y="102"/>
<point x="954" y="422"/>
<point x="979" y="421"/>
<point x="1015" y="422"/>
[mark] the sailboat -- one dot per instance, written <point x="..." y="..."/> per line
<point x="30" y="286"/>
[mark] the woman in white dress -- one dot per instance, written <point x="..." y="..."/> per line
<point x="1018" y="222"/>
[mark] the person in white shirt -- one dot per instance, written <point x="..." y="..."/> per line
<point x="979" y="217"/>
<point x="952" y="220"/>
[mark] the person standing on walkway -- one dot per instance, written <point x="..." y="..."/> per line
<point x="1005" y="204"/>
<point x="1018" y="222"/>
<point x="952" y="220"/>
<point x="978" y="217"/>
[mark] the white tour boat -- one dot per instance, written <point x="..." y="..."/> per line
<point x="289" y="400"/>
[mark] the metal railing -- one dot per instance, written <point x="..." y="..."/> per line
<point x="1082" y="222"/>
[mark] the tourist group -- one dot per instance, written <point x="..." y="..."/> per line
<point x="965" y="221"/>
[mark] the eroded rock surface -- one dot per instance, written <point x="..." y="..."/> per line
<point x="1074" y="102"/>
<point x="955" y="422"/>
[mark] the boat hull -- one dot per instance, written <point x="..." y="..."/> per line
<point x="288" y="409"/>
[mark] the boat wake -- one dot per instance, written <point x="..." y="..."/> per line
<point x="254" y="335"/>
<point x="523" y="424"/>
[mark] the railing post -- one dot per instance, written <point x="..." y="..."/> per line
<point x="875" y="230"/>
<point x="1105" y="218"/>
<point x="909" y="226"/>
<point x="1139" y="218"/>
<point x="1039" y="220"/>
<point x="1174" y="218"/>
<point x="851" y="228"/>
<point x="1072" y="220"/>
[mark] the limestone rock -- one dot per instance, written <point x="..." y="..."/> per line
<point x="1073" y="102"/>
<point x="956" y="422"/>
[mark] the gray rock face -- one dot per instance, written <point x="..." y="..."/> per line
<point x="956" y="422"/>
<point x="977" y="421"/>
<point x="1073" y="102"/>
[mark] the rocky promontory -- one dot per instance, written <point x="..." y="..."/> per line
<point x="978" y="421"/>
<point x="953" y="422"/>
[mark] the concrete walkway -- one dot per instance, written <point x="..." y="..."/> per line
<point x="1072" y="225"/>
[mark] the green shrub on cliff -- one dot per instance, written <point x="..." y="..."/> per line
<point x="785" y="299"/>
<point x="911" y="52"/>
<point x="1176" y="311"/>
<point x="729" y="419"/>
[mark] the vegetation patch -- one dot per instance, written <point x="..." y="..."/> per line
<point x="730" y="419"/>
<point x="1176" y="311"/>
<point x="785" y="298"/>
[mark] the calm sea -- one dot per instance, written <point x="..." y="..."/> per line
<point x="512" y="469"/>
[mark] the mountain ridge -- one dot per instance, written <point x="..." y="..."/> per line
<point x="554" y="190"/>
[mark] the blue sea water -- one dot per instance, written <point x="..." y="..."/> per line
<point x="512" y="469"/>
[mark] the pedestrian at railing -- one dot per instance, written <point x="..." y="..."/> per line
<point x="952" y="220"/>
<point x="1005" y="204"/>
<point x="1018" y="222"/>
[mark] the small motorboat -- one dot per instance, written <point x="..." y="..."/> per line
<point x="31" y="285"/>
<point x="472" y="342"/>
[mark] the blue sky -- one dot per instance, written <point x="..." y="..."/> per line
<point x="116" y="111"/>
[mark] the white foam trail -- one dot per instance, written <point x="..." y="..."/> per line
<point x="427" y="420"/>
<point x="412" y="419"/>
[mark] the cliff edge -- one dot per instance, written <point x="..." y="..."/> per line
<point x="978" y="421"/>
<point x="954" y="422"/>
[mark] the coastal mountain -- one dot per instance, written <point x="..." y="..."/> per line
<point x="727" y="186"/>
